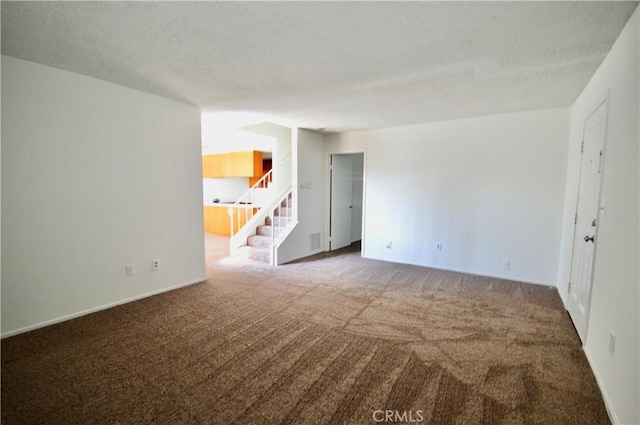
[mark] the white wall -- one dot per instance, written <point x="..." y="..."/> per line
<point x="282" y="153"/>
<point x="95" y="176"/>
<point x="490" y="189"/>
<point x="220" y="139"/>
<point x="615" y="290"/>
<point x="310" y="153"/>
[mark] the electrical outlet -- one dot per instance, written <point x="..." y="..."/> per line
<point x="612" y="342"/>
<point x="506" y="264"/>
<point x="439" y="246"/>
<point x="389" y="245"/>
<point x="155" y="264"/>
<point x="129" y="270"/>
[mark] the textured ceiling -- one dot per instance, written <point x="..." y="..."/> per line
<point x="332" y="65"/>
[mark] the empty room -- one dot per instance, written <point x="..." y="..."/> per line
<point x="320" y="212"/>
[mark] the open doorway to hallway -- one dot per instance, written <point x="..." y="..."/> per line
<point x="346" y="209"/>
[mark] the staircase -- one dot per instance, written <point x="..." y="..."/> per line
<point x="259" y="247"/>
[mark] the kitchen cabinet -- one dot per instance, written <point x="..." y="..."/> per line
<point x="232" y="164"/>
<point x="265" y="167"/>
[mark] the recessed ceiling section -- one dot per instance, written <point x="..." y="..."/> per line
<point x="334" y="65"/>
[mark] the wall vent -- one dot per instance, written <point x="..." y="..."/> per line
<point x="314" y="241"/>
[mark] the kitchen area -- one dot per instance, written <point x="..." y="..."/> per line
<point x="226" y="177"/>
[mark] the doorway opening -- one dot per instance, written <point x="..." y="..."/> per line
<point x="346" y="200"/>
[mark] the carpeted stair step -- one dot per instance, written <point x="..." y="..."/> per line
<point x="267" y="230"/>
<point x="283" y="212"/>
<point x="254" y="253"/>
<point x="278" y="221"/>
<point x="259" y="240"/>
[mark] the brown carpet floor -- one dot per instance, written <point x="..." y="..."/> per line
<point x="329" y="340"/>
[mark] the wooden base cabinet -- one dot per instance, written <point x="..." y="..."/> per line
<point x="218" y="222"/>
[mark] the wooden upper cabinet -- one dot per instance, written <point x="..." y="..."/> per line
<point x="257" y="164"/>
<point x="264" y="169"/>
<point x="232" y="164"/>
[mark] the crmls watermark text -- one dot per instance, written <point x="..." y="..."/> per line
<point x="391" y="416"/>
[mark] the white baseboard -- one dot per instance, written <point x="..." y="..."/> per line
<point x="306" y="255"/>
<point x="612" y="414"/>
<point x="99" y="308"/>
<point x="471" y="272"/>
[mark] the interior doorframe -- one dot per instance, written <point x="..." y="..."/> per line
<point x="327" y="221"/>
<point x="601" y="100"/>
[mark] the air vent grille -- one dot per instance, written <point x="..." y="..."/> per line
<point x="314" y="241"/>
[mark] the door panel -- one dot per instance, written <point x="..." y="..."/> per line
<point x="341" y="199"/>
<point x="587" y="220"/>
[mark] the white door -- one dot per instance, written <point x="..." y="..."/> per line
<point x="585" y="238"/>
<point x="341" y="199"/>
